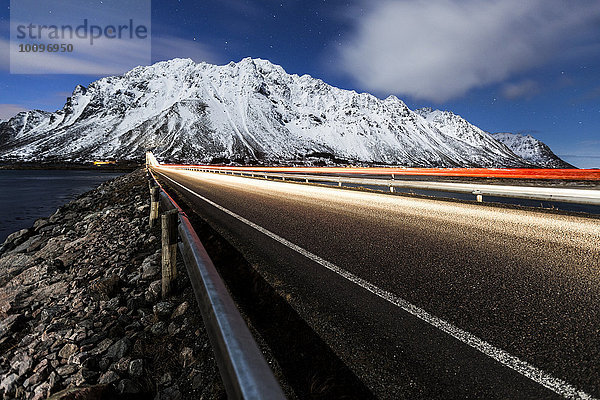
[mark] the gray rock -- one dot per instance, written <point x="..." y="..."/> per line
<point x="180" y="310"/>
<point x="18" y="237"/>
<point x="40" y="223"/>
<point x="133" y="279"/>
<point x="102" y="346"/>
<point x="78" y="358"/>
<point x="173" y="329"/>
<point x="150" y="271"/>
<point x="47" y="228"/>
<point x="85" y="392"/>
<point x="104" y="364"/>
<point x="33" y="380"/>
<point x="187" y="357"/>
<point x="150" y="266"/>
<point x="42" y="391"/>
<point x="197" y="379"/>
<point x="165" y="379"/>
<point x="21" y="364"/>
<point x="159" y="328"/>
<point x="66" y="370"/>
<point x="112" y="304"/>
<point x="153" y="292"/>
<point x="9" y="324"/>
<point x="12" y="265"/>
<point x="68" y="350"/>
<point x="90" y="363"/>
<point x="119" y="349"/>
<point x="48" y="313"/>
<point x="53" y="379"/>
<point x="163" y="310"/>
<point x="136" y="368"/>
<point x="87" y="324"/>
<point x="42" y="366"/>
<point x="127" y="386"/>
<point x="170" y="393"/>
<point x="32" y="244"/>
<point x="107" y="288"/>
<point x="121" y="366"/>
<point x="134" y="302"/>
<point x="108" y="377"/>
<point x="27" y="340"/>
<point x="85" y="376"/>
<point x="8" y="383"/>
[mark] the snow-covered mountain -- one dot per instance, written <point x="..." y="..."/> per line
<point x="531" y="150"/>
<point x="247" y="111"/>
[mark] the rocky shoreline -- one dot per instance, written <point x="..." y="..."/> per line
<point x="80" y="309"/>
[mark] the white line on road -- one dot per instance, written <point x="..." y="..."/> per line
<point x="535" y="374"/>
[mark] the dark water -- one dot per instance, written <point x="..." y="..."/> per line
<point x="28" y="195"/>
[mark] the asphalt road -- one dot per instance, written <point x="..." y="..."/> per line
<point x="424" y="298"/>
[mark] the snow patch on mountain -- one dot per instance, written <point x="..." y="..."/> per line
<point x="531" y="150"/>
<point x="250" y="111"/>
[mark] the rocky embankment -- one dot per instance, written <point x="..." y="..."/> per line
<point x="81" y="314"/>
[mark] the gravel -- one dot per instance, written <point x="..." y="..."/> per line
<point x="81" y="313"/>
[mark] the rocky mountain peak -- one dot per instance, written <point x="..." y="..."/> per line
<point x="250" y="111"/>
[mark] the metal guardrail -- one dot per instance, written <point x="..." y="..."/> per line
<point x="565" y="195"/>
<point x="243" y="368"/>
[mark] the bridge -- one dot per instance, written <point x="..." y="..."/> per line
<point x="411" y="296"/>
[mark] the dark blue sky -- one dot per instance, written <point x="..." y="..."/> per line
<point x="504" y="66"/>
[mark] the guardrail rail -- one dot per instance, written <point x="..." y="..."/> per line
<point x="565" y="195"/>
<point x="243" y="368"/>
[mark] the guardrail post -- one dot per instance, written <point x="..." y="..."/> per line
<point x="150" y="179"/>
<point x="478" y="195"/>
<point x="339" y="183"/>
<point x="154" y="202"/>
<point x="391" y="188"/>
<point x="169" y="250"/>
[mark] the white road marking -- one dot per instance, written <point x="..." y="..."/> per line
<point x="557" y="385"/>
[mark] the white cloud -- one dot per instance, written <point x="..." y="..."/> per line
<point x="10" y="110"/>
<point x="103" y="59"/>
<point x="440" y="49"/>
<point x="527" y="89"/>
<point x="168" y="47"/>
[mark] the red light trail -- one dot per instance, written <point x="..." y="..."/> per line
<point x="512" y="173"/>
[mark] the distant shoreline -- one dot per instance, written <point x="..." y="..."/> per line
<point x="119" y="167"/>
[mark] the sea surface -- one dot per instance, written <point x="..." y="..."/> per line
<point x="26" y="195"/>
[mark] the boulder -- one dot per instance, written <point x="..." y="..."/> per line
<point x="18" y="237"/>
<point x="108" y="377"/>
<point x="163" y="310"/>
<point x="68" y="350"/>
<point x="119" y="349"/>
<point x="127" y="386"/>
<point x="136" y="368"/>
<point x="180" y="310"/>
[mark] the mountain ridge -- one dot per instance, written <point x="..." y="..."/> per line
<point x="531" y="149"/>
<point x="249" y="111"/>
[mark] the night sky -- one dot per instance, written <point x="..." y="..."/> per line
<point x="503" y="65"/>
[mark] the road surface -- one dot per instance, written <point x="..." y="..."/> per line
<point x="422" y="297"/>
